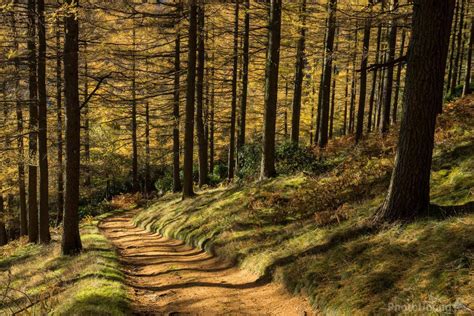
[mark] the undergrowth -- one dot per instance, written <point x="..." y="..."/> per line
<point x="312" y="232"/>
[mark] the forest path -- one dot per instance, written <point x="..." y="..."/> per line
<point x="167" y="277"/>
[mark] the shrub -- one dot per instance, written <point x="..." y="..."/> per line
<point x="290" y="159"/>
<point x="249" y="157"/>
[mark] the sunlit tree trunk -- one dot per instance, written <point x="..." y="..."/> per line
<point x="398" y="81"/>
<point x="59" y="128"/>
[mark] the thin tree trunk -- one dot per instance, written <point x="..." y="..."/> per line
<point x="323" y="139"/>
<point x="231" y="158"/>
<point x="135" y="184"/>
<point x="374" y="81"/>
<point x="147" y="149"/>
<point x="452" y="46"/>
<point x="299" y="74"/>
<point x="363" y="80"/>
<point x="353" y="85"/>
<point x="176" y="116"/>
<point x="33" y="126"/>
<point x="87" y="154"/>
<point x="398" y="81"/>
<point x="387" y="96"/>
<point x="201" y="137"/>
<point x="71" y="241"/>
<point x="458" y="49"/>
<point x="59" y="128"/>
<point x="211" y="115"/>
<point x="333" y="101"/>
<point x="245" y="77"/>
<point x="190" y="96"/>
<point x="409" y="192"/>
<point x="467" y="79"/>
<point x="3" y="232"/>
<point x="271" y="91"/>
<point x="346" y="102"/>
<point x="21" y="145"/>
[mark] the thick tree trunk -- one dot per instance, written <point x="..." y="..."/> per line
<point x="231" y="157"/>
<point x="409" y="192"/>
<point x="323" y="137"/>
<point x="374" y="81"/>
<point x="467" y="79"/>
<point x="71" y="241"/>
<point x="363" y="80"/>
<point x="271" y="91"/>
<point x="299" y="74"/>
<point x="21" y="145"/>
<point x="387" y="95"/>
<point x="458" y="49"/>
<point x="176" y="116"/>
<point x="398" y="81"/>
<point x="201" y="137"/>
<point x="33" y="126"/>
<point x="59" y="129"/>
<point x="190" y="96"/>
<point x="245" y="77"/>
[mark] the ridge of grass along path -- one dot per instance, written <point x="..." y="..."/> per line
<point x="88" y="284"/>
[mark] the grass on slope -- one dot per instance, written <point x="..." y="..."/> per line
<point x="37" y="280"/>
<point x="312" y="233"/>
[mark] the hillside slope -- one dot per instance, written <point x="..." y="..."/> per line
<point x="313" y="232"/>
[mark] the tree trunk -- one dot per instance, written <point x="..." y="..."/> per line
<point x="458" y="49"/>
<point x="135" y="184"/>
<point x="353" y="85"/>
<point x="374" y="81"/>
<point x="190" y="96"/>
<point x="323" y="137"/>
<point x="452" y="46"/>
<point x="245" y="77"/>
<point x="467" y="79"/>
<point x="71" y="241"/>
<point x="33" y="126"/>
<point x="299" y="74"/>
<point x="387" y="95"/>
<point x="231" y="158"/>
<point x="177" y="73"/>
<point x="87" y="153"/>
<point x="398" y="81"/>
<point x="333" y="101"/>
<point x="211" y="116"/>
<point x="271" y="91"/>
<point x="59" y="128"/>
<point x="363" y="80"/>
<point x="201" y="137"/>
<point x="3" y="232"/>
<point x="21" y="145"/>
<point x="409" y="192"/>
<point x="147" y="185"/>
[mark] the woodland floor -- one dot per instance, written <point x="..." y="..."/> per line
<point x="165" y="276"/>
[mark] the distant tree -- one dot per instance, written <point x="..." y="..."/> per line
<point x="233" y="110"/>
<point x="59" y="128"/>
<point x="409" y="192"/>
<point x="71" y="240"/>
<point x="459" y="48"/>
<point x="190" y="97"/>
<point x="467" y="79"/>
<point x="299" y="73"/>
<point x="245" y="76"/>
<point x="271" y="91"/>
<point x="176" y="95"/>
<point x="3" y="232"/>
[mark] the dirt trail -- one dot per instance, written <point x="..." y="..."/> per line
<point x="165" y="276"/>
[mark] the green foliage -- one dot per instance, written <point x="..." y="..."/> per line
<point x="291" y="158"/>
<point x="249" y="158"/>
<point x="220" y="170"/>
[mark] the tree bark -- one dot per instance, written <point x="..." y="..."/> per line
<point x="374" y="81"/>
<point x="299" y="74"/>
<point x="33" y="126"/>
<point x="3" y="232"/>
<point x="87" y="153"/>
<point x="190" y="96"/>
<point x="71" y="241"/>
<point x="176" y="116"/>
<point x="323" y="137"/>
<point x="408" y="194"/>
<point x="135" y="184"/>
<point x="59" y="129"/>
<point x="201" y="137"/>
<point x="363" y="80"/>
<point x="271" y="91"/>
<point x="245" y="77"/>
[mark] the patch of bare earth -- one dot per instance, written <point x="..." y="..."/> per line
<point x="165" y="276"/>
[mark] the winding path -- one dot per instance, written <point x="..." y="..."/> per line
<point x="167" y="277"/>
